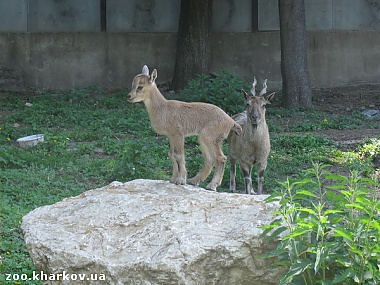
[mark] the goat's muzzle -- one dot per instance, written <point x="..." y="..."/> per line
<point x="255" y="120"/>
<point x="255" y="116"/>
<point x="130" y="97"/>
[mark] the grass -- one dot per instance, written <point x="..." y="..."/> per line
<point x="94" y="137"/>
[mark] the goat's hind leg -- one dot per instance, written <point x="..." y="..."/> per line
<point x="219" y="160"/>
<point x="207" y="166"/>
<point x="177" y="156"/>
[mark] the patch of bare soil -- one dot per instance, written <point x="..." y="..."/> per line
<point x="345" y="99"/>
<point x="347" y="138"/>
<point x="342" y="101"/>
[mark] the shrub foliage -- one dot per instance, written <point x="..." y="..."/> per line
<point x="328" y="229"/>
<point x="222" y="89"/>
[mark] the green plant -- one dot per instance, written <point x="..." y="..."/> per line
<point x="328" y="229"/>
<point x="221" y="89"/>
<point x="6" y="133"/>
<point x="370" y="148"/>
<point x="301" y="143"/>
<point x="314" y="120"/>
<point x="364" y="158"/>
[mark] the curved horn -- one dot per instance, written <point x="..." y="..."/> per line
<point x="253" y="89"/>
<point x="264" y="90"/>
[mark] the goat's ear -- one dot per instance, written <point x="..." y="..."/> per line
<point x="153" y="76"/>
<point x="245" y="94"/>
<point x="269" y="97"/>
<point x="145" y="70"/>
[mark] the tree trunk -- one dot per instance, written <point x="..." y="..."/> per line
<point x="193" y="53"/>
<point x="294" y="65"/>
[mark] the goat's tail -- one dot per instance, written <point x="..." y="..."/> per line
<point x="237" y="129"/>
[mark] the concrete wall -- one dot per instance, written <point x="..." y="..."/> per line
<point x="64" y="60"/>
<point x="232" y="16"/>
<point x="61" y="16"/>
<point x="142" y="16"/>
<point x="326" y="15"/>
<point x="58" y="44"/>
<point x="13" y="16"/>
<point x="163" y="15"/>
<point x="121" y="16"/>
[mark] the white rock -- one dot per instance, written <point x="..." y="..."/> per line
<point x="372" y="114"/>
<point x="152" y="232"/>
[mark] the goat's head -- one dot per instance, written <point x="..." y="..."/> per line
<point x="141" y="85"/>
<point x="256" y="104"/>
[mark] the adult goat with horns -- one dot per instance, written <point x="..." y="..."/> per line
<point x="253" y="145"/>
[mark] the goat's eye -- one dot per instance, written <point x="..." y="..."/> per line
<point x="139" y="88"/>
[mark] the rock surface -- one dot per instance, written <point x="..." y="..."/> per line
<point x="152" y="232"/>
<point x="372" y="114"/>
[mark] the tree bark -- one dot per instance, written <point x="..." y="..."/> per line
<point x="294" y="64"/>
<point x="193" y="55"/>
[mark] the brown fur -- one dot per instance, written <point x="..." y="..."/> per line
<point x="176" y="120"/>
<point x="253" y="145"/>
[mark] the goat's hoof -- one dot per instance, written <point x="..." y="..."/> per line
<point x="211" y="187"/>
<point x="193" y="181"/>
<point x="180" y="181"/>
<point x="173" y="179"/>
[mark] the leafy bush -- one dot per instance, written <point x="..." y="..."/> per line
<point x="222" y="90"/>
<point x="364" y="158"/>
<point x="328" y="229"/>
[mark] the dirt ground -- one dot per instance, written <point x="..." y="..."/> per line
<point x="342" y="101"/>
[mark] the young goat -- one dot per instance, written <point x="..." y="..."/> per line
<point x="176" y="120"/>
<point x="253" y="145"/>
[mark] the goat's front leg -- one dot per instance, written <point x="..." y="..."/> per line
<point x="247" y="170"/>
<point x="260" y="176"/>
<point x="232" y="174"/>
<point x="177" y="156"/>
<point x="174" y="177"/>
